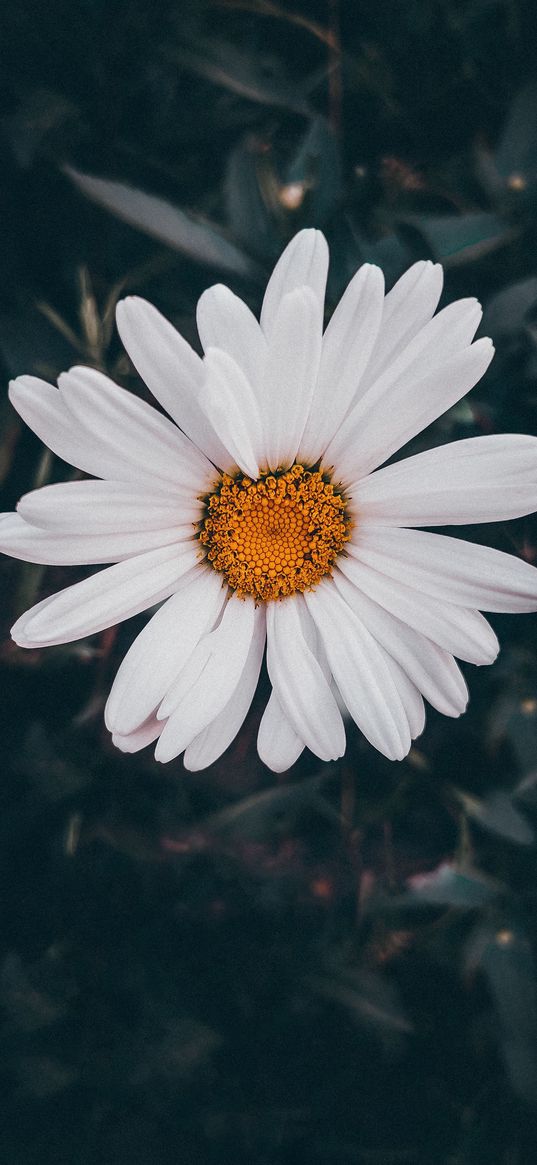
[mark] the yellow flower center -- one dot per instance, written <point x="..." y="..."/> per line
<point x="277" y="535"/>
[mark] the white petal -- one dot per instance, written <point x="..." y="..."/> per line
<point x="361" y="672"/>
<point x="161" y="650"/>
<point x="98" y="507"/>
<point x="140" y="738"/>
<point x="291" y="373"/>
<point x="106" y="598"/>
<point x="277" y="742"/>
<point x="42" y="408"/>
<point x="410" y="697"/>
<point x="33" y="544"/>
<point x="229" y="403"/>
<point x="213" y="741"/>
<point x="171" y="369"/>
<point x="445" y="336"/>
<point x="225" y="322"/>
<point x="304" y="263"/>
<point x="370" y="435"/>
<point x="134" y="430"/>
<point x="480" y="479"/>
<point x="460" y="631"/>
<point x="297" y="678"/>
<point x="346" y="348"/>
<point x="449" y="569"/>
<point x="209" y="679"/>
<point x="409" y="305"/>
<point x="433" y="670"/>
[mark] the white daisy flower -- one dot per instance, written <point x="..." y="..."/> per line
<point x="259" y="514"/>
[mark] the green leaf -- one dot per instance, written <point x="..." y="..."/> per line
<point x="195" y="237"/>
<point x="447" y="886"/>
<point x="453" y="239"/>
<point x="317" y="168"/>
<point x="370" y="1000"/>
<point x="516" y="154"/>
<point x="268" y="813"/>
<point x="497" y="814"/>
<point x="503" y="952"/>
<point x="506" y="312"/>
<point x="257" y="77"/>
<point x="248" y="213"/>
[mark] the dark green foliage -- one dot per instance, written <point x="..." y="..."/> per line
<point x="338" y="965"/>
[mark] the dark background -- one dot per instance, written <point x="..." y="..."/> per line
<point x="336" y="965"/>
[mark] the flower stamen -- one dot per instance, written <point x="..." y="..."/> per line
<point x="277" y="535"/>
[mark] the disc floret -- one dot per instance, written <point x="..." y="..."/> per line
<point x="276" y="535"/>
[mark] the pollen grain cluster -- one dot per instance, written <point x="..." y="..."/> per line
<point x="277" y="535"/>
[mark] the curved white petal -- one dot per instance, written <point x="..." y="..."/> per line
<point x="277" y="742"/>
<point x="433" y="670"/>
<point x="140" y="738"/>
<point x="171" y="369"/>
<point x="290" y="375"/>
<point x="106" y="598"/>
<point x="161" y="650"/>
<point x="480" y="479"/>
<point x="460" y="631"/>
<point x="298" y="680"/>
<point x="361" y="671"/>
<point x="408" y="307"/>
<point x="209" y="678"/>
<point x="231" y="634"/>
<point x="213" y="741"/>
<point x="304" y="263"/>
<point x="43" y="409"/>
<point x="446" y="335"/>
<point x="225" y="322"/>
<point x="372" y="432"/>
<point x="449" y="569"/>
<point x="347" y="345"/>
<point x="99" y="507"/>
<point x="134" y="430"/>
<point x="49" y="548"/>
<point x="410" y="697"/>
<point x="229" y="403"/>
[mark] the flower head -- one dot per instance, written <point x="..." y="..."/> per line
<point x="259" y="515"/>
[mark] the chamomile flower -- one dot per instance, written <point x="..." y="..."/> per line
<point x="259" y="515"/>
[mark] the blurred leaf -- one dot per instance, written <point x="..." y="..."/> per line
<point x="447" y="886"/>
<point x="505" y="312"/>
<point x="194" y="237"/>
<point x="247" y="212"/>
<point x="390" y="253"/>
<point x="39" y="117"/>
<point x="369" y="998"/>
<point x="266" y="814"/>
<point x="27" y="998"/>
<point x="497" y="814"/>
<point x="261" y="78"/>
<point x="516" y="154"/>
<point x="510" y="174"/>
<point x="55" y="777"/>
<point x="316" y="168"/>
<point x="527" y="789"/>
<point x="453" y="239"/>
<point x="503" y="952"/>
<point x="265" y="199"/>
<point x="349" y="248"/>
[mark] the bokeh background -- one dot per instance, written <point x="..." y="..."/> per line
<point x="335" y="965"/>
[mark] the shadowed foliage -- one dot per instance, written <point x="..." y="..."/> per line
<point x="336" y="965"/>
